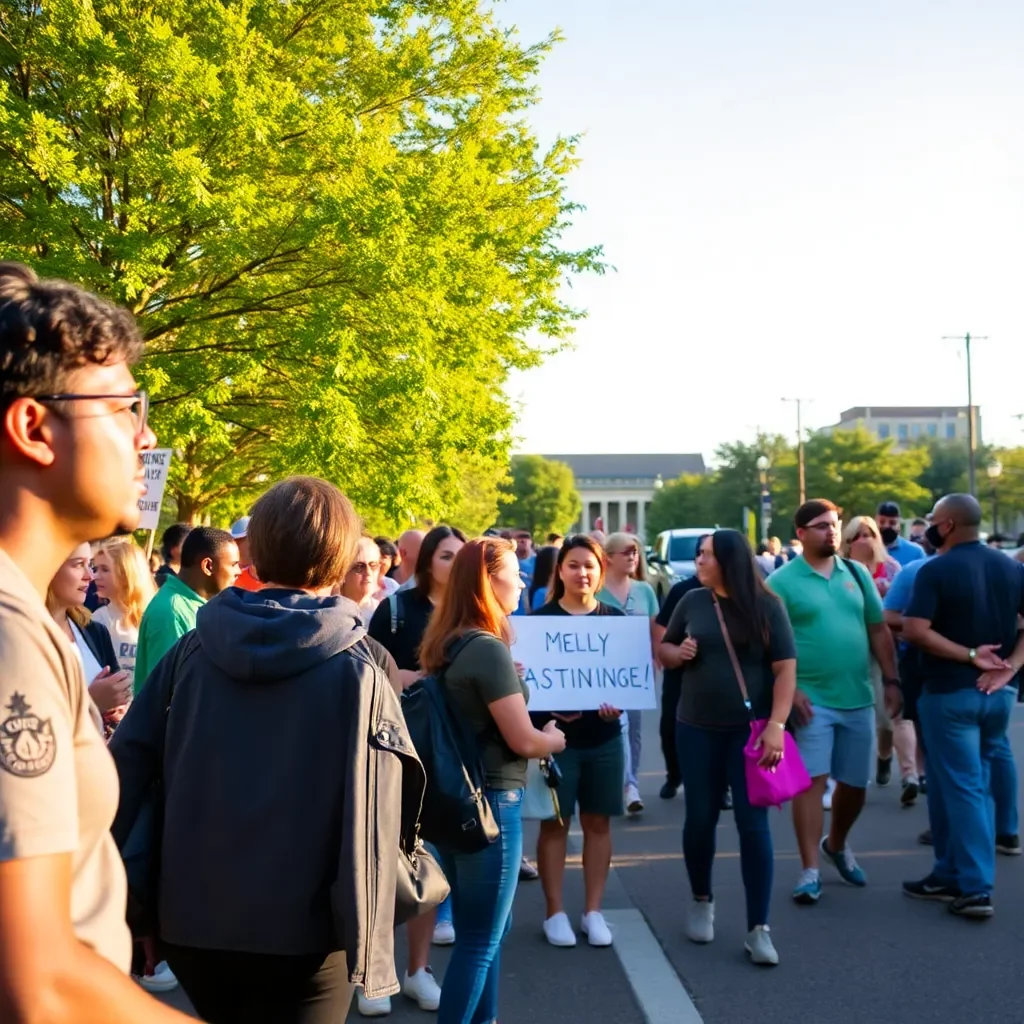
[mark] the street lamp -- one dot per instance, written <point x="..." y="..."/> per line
<point x="659" y="483"/>
<point x="763" y="465"/>
<point x="995" y="470"/>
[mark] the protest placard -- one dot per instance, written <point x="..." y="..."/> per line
<point x="156" y="462"/>
<point x="578" y="663"/>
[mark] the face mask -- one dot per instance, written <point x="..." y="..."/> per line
<point x="934" y="536"/>
<point x="889" y="536"/>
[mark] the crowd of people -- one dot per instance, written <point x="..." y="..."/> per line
<point x="206" y="774"/>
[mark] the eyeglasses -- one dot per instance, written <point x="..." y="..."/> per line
<point x="365" y="568"/>
<point x="628" y="552"/>
<point x="829" y="527"/>
<point x="139" y="407"/>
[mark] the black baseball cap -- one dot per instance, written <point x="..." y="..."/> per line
<point x="889" y="508"/>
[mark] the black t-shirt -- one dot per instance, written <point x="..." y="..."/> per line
<point x="711" y="695"/>
<point x="414" y="610"/>
<point x="972" y="595"/>
<point x="675" y="595"/>
<point x="590" y="729"/>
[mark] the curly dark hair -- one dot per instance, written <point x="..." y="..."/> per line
<point x="49" y="329"/>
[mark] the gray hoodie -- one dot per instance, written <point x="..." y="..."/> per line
<point x="289" y="782"/>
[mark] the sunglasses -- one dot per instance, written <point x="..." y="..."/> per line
<point x="365" y="568"/>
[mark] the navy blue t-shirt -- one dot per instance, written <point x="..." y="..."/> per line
<point x="972" y="595"/>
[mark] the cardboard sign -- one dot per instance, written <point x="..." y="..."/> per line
<point x="157" y="463"/>
<point x="579" y="662"/>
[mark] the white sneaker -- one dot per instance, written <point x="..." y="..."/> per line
<point x="760" y="946"/>
<point x="700" y="922"/>
<point x="422" y="989"/>
<point x="826" y="800"/>
<point x="379" y="1007"/>
<point x="161" y="980"/>
<point x="596" y="929"/>
<point x="444" y="934"/>
<point x="634" y="805"/>
<point x="558" y="931"/>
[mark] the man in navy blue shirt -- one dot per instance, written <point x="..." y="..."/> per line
<point x="963" y="615"/>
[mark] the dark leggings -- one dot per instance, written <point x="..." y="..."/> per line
<point x="710" y="760"/>
<point x="671" y="687"/>
<point x="254" y="988"/>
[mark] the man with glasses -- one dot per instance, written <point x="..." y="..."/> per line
<point x="838" y="623"/>
<point x="72" y="430"/>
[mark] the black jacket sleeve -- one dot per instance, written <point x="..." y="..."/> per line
<point x="97" y="636"/>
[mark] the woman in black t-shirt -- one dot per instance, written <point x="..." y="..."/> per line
<point x="713" y="722"/>
<point x="592" y="763"/>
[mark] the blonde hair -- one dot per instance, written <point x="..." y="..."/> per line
<point x="620" y="542"/>
<point x="134" y="581"/>
<point x="850" y="532"/>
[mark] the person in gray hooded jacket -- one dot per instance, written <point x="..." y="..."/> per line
<point x="289" y="781"/>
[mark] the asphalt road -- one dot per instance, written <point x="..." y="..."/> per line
<point x="859" y="956"/>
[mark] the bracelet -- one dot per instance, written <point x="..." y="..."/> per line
<point x="781" y="725"/>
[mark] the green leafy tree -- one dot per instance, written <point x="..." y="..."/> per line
<point x="540" y="496"/>
<point x="688" y="501"/>
<point x="737" y="480"/>
<point x="331" y="220"/>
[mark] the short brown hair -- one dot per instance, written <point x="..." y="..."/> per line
<point x="303" y="534"/>
<point x="810" y="510"/>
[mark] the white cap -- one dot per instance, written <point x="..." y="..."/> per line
<point x="240" y="528"/>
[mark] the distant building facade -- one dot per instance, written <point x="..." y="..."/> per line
<point x="618" y="489"/>
<point x="908" y="424"/>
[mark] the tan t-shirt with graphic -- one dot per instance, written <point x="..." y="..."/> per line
<point x="58" y="784"/>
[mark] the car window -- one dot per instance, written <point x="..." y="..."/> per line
<point x="683" y="549"/>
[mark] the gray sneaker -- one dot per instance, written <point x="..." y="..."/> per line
<point x="760" y="947"/>
<point x="700" y="923"/>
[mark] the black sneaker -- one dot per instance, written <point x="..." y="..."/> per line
<point x="979" y="907"/>
<point x="925" y="838"/>
<point x="884" y="774"/>
<point x="668" y="791"/>
<point x="1008" y="845"/>
<point x="909" y="795"/>
<point x="931" y="888"/>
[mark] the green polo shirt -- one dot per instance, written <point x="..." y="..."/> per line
<point x="830" y="619"/>
<point x="170" y="615"/>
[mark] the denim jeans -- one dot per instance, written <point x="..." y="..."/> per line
<point x="632" y="740"/>
<point x="1004" y="788"/>
<point x="710" y="759"/>
<point x="964" y="732"/>
<point x="444" y="910"/>
<point x="483" y="887"/>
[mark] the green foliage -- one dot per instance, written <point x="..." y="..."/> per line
<point x="331" y="220"/>
<point x="540" y="497"/>
<point x="688" y="501"/>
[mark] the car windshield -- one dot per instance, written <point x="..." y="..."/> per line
<point x="683" y="549"/>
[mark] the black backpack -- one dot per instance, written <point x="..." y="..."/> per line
<point x="456" y="814"/>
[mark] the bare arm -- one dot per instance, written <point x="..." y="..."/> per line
<point x="784" y="689"/>
<point x="513" y="722"/>
<point x="894" y="620"/>
<point x="920" y="633"/>
<point x="46" y="975"/>
<point x="884" y="649"/>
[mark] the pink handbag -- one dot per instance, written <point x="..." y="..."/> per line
<point x="766" y="787"/>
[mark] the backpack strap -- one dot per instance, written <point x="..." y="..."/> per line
<point x="851" y="567"/>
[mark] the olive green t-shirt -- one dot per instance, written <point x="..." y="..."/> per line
<point x="482" y="672"/>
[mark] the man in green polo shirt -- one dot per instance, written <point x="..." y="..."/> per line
<point x="209" y="564"/>
<point x="838" y="624"/>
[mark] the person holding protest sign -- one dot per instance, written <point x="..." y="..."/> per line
<point x="733" y="616"/>
<point x="592" y="764"/>
<point x="467" y="640"/>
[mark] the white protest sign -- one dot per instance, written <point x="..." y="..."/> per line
<point x="157" y="462"/>
<point x="578" y="663"/>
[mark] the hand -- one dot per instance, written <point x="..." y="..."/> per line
<point x="608" y="713"/>
<point x="110" y="689"/>
<point x="771" y="743"/>
<point x="567" y="717"/>
<point x="688" y="649"/>
<point x="883" y="587"/>
<point x="555" y="736"/>
<point x="802" y="708"/>
<point x="990" y="682"/>
<point x="893" y="699"/>
<point x="988" y="660"/>
<point x="520" y="670"/>
<point x="408" y="677"/>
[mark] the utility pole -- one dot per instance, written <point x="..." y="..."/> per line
<point x="971" y="440"/>
<point x="801" y="469"/>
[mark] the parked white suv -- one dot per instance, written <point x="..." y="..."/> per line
<point x="674" y="558"/>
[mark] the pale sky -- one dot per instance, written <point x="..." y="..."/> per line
<point x="836" y="186"/>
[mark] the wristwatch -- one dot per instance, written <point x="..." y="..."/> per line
<point x="972" y="654"/>
<point x="891" y="682"/>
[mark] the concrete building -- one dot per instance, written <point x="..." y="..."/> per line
<point x="619" y="489"/>
<point x="907" y="424"/>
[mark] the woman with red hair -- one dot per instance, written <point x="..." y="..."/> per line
<point x="467" y="642"/>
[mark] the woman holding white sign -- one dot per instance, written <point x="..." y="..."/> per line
<point x="592" y="764"/>
<point x="735" y="644"/>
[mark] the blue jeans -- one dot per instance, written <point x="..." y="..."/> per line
<point x="710" y="759"/>
<point x="965" y="732"/>
<point x="483" y="887"/>
<point x="444" y="910"/>
<point x="1004" y="788"/>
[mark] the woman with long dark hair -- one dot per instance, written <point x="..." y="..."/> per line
<point x="713" y="721"/>
<point x="592" y="764"/>
<point x="484" y="686"/>
<point x="543" y="570"/>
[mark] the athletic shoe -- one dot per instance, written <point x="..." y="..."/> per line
<point x="727" y="800"/>
<point x="808" y="887"/>
<point x="700" y="922"/>
<point x="668" y="791"/>
<point x="422" y="989"/>
<point x="979" y="907"/>
<point x="826" y="800"/>
<point x="161" y="980"/>
<point x="931" y="888"/>
<point x="379" y="1007"/>
<point x="911" y="788"/>
<point x="444" y="934"/>
<point x="760" y="946"/>
<point x="1009" y="845"/>
<point x="843" y="861"/>
<point x="558" y="931"/>
<point x="884" y="774"/>
<point x="527" y="871"/>
<point x="596" y="929"/>
<point x="925" y="838"/>
<point x="634" y="805"/>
